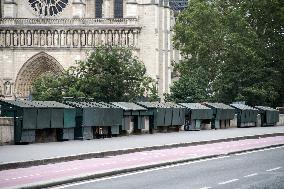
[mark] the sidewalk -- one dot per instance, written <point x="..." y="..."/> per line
<point x="35" y="154"/>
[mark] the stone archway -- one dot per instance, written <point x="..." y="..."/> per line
<point x="36" y="66"/>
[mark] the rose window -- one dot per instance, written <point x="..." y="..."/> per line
<point x="48" y="8"/>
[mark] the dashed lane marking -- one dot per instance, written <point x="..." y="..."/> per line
<point x="274" y="169"/>
<point x="138" y="172"/>
<point x="228" y="181"/>
<point x="160" y="168"/>
<point x="253" y="151"/>
<point x="206" y="187"/>
<point x="251" y="175"/>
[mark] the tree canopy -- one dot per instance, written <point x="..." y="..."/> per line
<point x="108" y="74"/>
<point x="232" y="50"/>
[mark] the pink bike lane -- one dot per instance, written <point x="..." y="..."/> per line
<point x="82" y="168"/>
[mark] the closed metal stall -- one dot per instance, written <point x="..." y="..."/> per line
<point x="246" y="115"/>
<point x="96" y="119"/>
<point x="197" y="115"/>
<point x="62" y="119"/>
<point x="25" y="119"/>
<point x="164" y="116"/>
<point x="134" y="117"/>
<point x="178" y="113"/>
<point x="222" y="114"/>
<point x="269" y="116"/>
<point x="81" y="131"/>
<point x="156" y="115"/>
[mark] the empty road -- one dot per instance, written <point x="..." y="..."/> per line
<point x="262" y="169"/>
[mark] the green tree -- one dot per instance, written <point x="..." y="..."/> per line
<point x="47" y="87"/>
<point x="198" y="36"/>
<point x="238" y="46"/>
<point x="108" y="74"/>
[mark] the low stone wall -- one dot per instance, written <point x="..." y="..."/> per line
<point x="6" y="130"/>
<point x="281" y="120"/>
<point x="234" y="122"/>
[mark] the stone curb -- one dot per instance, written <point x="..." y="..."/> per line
<point x="134" y="169"/>
<point x="23" y="164"/>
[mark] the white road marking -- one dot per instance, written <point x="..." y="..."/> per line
<point x="25" y="176"/>
<point x="161" y="168"/>
<point x="253" y="151"/>
<point x="206" y="187"/>
<point x="274" y="169"/>
<point x="251" y="175"/>
<point x="139" y="172"/>
<point x="228" y="181"/>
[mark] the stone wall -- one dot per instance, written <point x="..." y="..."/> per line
<point x="6" y="130"/>
<point x="281" y="120"/>
<point x="234" y="122"/>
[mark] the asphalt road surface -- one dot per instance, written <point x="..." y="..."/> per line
<point x="262" y="169"/>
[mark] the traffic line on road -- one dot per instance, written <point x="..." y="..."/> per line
<point x="274" y="169"/>
<point x="206" y="187"/>
<point x="138" y="172"/>
<point x="251" y="175"/>
<point x="253" y="151"/>
<point x="157" y="155"/>
<point x="228" y="181"/>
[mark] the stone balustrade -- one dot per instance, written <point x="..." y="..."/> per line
<point x="67" y="21"/>
<point x="69" y="33"/>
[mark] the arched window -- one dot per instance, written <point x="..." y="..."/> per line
<point x="118" y="8"/>
<point x="98" y="4"/>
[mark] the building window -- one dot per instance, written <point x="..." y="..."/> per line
<point x="99" y="4"/>
<point x="118" y="8"/>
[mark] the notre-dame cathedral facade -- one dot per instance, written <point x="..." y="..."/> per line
<point x="39" y="36"/>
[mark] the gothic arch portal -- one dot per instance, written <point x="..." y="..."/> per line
<point x="36" y="66"/>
